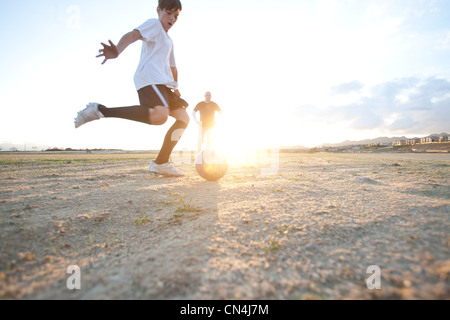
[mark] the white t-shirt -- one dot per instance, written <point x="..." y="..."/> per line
<point x="157" y="56"/>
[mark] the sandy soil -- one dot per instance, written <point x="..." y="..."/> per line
<point x="308" y="232"/>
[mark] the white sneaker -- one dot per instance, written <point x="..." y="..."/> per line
<point x="90" y="113"/>
<point x="166" y="169"/>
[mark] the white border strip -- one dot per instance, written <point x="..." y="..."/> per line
<point x="161" y="97"/>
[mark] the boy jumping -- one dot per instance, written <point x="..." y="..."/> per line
<point x="156" y="82"/>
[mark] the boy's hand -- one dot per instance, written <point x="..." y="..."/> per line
<point x="109" y="52"/>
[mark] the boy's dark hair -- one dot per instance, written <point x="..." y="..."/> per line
<point x="170" y="5"/>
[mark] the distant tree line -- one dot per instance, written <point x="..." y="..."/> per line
<point x="70" y="149"/>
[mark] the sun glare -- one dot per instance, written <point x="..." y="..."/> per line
<point x="240" y="148"/>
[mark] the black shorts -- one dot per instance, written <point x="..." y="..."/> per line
<point x="160" y="95"/>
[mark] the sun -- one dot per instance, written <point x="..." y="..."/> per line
<point x="226" y="141"/>
<point x="240" y="147"/>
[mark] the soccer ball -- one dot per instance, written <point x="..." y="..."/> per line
<point x="211" y="165"/>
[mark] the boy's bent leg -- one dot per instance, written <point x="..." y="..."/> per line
<point x="153" y="116"/>
<point x="173" y="135"/>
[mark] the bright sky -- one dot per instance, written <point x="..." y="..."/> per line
<point x="288" y="72"/>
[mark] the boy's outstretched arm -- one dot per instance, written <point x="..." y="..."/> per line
<point x="112" y="51"/>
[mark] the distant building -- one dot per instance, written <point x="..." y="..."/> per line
<point x="399" y="143"/>
<point x="413" y="141"/>
<point x="431" y="139"/>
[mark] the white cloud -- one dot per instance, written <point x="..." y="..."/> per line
<point x="348" y="87"/>
<point x="407" y="106"/>
<point x="444" y="43"/>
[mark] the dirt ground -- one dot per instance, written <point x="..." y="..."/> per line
<point x="309" y="231"/>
